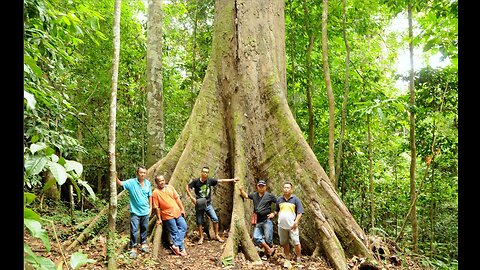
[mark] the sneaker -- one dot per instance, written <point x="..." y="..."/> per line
<point x="145" y="248"/>
<point x="183" y="253"/>
<point x="299" y="260"/>
<point x="133" y="254"/>
<point x="200" y="241"/>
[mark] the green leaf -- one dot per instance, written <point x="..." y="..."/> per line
<point x="89" y="188"/>
<point x="34" y="165"/>
<point x="33" y="66"/>
<point x="58" y="172"/>
<point x="38" y="262"/>
<point x="30" y="100"/>
<point x="54" y="158"/>
<point x="37" y="231"/>
<point x="78" y="259"/>
<point x="35" y="147"/>
<point x="227" y="261"/>
<point x="381" y="115"/>
<point x="77" y="167"/>
<point x="28" y="198"/>
<point x="30" y="214"/>
<point x="77" y="189"/>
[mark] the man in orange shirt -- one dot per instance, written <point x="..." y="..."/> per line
<point x="169" y="209"/>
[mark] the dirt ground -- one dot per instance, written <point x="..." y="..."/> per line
<point x="206" y="256"/>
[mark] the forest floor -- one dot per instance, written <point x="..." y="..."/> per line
<point x="206" y="256"/>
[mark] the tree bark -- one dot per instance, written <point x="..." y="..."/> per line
<point x="241" y="125"/>
<point x="338" y="167"/>
<point x="112" y="213"/>
<point x="155" y="124"/>
<point x="331" y="102"/>
<point x="308" y="63"/>
<point x="370" y="174"/>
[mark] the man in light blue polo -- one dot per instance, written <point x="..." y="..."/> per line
<point x="140" y="193"/>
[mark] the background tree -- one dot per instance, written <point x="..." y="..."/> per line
<point x="112" y="213"/>
<point x="311" y="33"/>
<point x="331" y="98"/>
<point x="155" y="107"/>
<point x="338" y="168"/>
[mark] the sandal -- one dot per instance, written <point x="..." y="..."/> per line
<point x="271" y="253"/>
<point x="175" y="249"/>
<point x="219" y="239"/>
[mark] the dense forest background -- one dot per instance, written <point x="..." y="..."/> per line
<point x="67" y="76"/>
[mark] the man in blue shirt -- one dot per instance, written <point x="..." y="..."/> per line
<point x="140" y="193"/>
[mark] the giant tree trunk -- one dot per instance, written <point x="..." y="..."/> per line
<point x="241" y="125"/>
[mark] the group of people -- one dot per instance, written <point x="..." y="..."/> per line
<point x="169" y="209"/>
<point x="289" y="209"/>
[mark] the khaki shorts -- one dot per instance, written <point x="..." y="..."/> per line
<point x="288" y="235"/>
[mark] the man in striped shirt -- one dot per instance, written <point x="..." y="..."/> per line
<point x="289" y="209"/>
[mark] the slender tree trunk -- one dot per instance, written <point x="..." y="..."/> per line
<point x="338" y="167"/>
<point x="413" y="151"/>
<point x="308" y="64"/>
<point x="395" y="174"/>
<point x="370" y="170"/>
<point x="111" y="234"/>
<point x="311" y="133"/>
<point x="155" y="124"/>
<point x="72" y="204"/>
<point x="331" y="102"/>
<point x="432" y="211"/>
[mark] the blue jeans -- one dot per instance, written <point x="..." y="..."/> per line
<point x="209" y="211"/>
<point x="263" y="232"/>
<point x="135" y="223"/>
<point x="177" y="228"/>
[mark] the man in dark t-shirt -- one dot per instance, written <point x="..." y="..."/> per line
<point x="262" y="207"/>
<point x="203" y="200"/>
